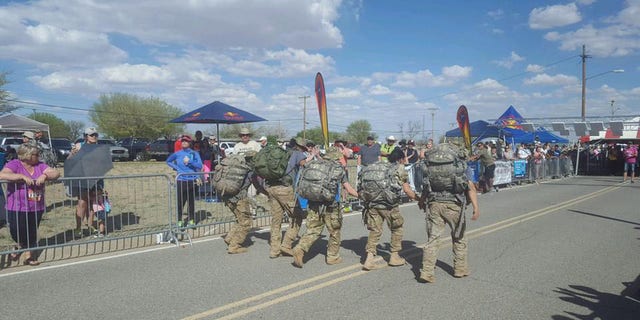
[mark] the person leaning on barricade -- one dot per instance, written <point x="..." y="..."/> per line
<point x="445" y="195"/>
<point x="379" y="187"/>
<point x="186" y="162"/>
<point x="25" y="198"/>
<point x="486" y="158"/>
<point x="321" y="183"/>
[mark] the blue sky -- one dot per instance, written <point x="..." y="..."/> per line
<point x="388" y="62"/>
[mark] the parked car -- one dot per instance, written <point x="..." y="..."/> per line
<point x="12" y="142"/>
<point x="117" y="153"/>
<point x="227" y="146"/>
<point x="160" y="149"/>
<point x="61" y="147"/>
<point x="137" y="147"/>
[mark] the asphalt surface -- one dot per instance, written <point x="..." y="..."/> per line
<point x="564" y="249"/>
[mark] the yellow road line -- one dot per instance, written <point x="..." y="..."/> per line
<point x="443" y="243"/>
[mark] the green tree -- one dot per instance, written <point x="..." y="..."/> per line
<point x="5" y="105"/>
<point x="121" y="115"/>
<point x="57" y="127"/>
<point x="315" y="135"/>
<point x="76" y="129"/>
<point x="358" y="131"/>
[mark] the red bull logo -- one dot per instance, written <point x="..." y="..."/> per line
<point x="232" y="116"/>
<point x="193" y="116"/>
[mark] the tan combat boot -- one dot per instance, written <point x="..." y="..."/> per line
<point x="236" y="249"/>
<point x="425" y="278"/>
<point x="298" y="255"/>
<point x="286" y="251"/>
<point x="396" y="260"/>
<point x="372" y="262"/>
<point x="334" y="260"/>
<point x="461" y="273"/>
<point x="274" y="254"/>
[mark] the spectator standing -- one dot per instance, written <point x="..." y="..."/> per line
<point x="216" y="152"/>
<point x="246" y="144"/>
<point x="186" y="162"/>
<point x="387" y="148"/>
<point x="84" y="193"/>
<point x="25" y="198"/>
<point x="201" y="145"/>
<point x="630" y="155"/>
<point x="538" y="158"/>
<point x="369" y="153"/>
<point x="262" y="141"/>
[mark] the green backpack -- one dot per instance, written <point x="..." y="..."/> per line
<point x="271" y="162"/>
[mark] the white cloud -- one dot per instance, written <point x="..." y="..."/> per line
<point x="510" y="61"/>
<point x="496" y="14"/>
<point x="343" y="93"/>
<point x="556" y="80"/>
<point x="378" y="90"/>
<point x="497" y="31"/>
<point x="612" y="41"/>
<point x="535" y="68"/>
<point x="424" y="78"/>
<point x="554" y="16"/>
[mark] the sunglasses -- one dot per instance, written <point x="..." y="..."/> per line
<point x="93" y="135"/>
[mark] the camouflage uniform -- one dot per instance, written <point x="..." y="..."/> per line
<point x="319" y="215"/>
<point x="240" y="206"/>
<point x="281" y="200"/>
<point x="317" y="219"/>
<point x="377" y="214"/>
<point x="441" y="212"/>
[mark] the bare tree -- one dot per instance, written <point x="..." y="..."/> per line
<point x="414" y="128"/>
<point x="75" y="128"/>
<point x="5" y="105"/>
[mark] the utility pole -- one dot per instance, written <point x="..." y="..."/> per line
<point x="423" y="136"/>
<point x="433" y="115"/>
<point x="304" y="116"/>
<point x="584" y="57"/>
<point x="612" y="109"/>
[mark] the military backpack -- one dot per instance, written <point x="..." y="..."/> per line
<point x="444" y="172"/>
<point x="271" y="162"/>
<point x="230" y="175"/>
<point x="319" y="180"/>
<point x="379" y="184"/>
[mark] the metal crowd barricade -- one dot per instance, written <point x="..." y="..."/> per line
<point x="139" y="211"/>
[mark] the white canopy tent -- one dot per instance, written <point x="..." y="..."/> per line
<point x="14" y="123"/>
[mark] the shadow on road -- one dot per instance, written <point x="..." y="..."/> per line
<point x="604" y="217"/>
<point x="603" y="305"/>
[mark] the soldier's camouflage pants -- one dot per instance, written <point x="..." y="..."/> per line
<point x="441" y="213"/>
<point x="281" y="201"/>
<point x="242" y="211"/>
<point x="332" y="219"/>
<point x="375" y="219"/>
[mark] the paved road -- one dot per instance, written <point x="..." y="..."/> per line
<point x="565" y="249"/>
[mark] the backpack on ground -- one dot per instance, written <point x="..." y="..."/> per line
<point x="271" y="162"/>
<point x="319" y="180"/>
<point x="229" y="176"/>
<point x="444" y="172"/>
<point x="379" y="184"/>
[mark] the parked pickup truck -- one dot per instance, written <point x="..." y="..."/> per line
<point x="13" y="142"/>
<point x="161" y="149"/>
<point x="137" y="147"/>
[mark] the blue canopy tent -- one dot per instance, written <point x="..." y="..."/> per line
<point x="217" y="112"/>
<point x="544" y="136"/>
<point x="479" y="130"/>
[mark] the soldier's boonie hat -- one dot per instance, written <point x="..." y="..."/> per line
<point x="28" y="134"/>
<point x="300" y="142"/>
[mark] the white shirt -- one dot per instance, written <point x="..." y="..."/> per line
<point x="241" y="147"/>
